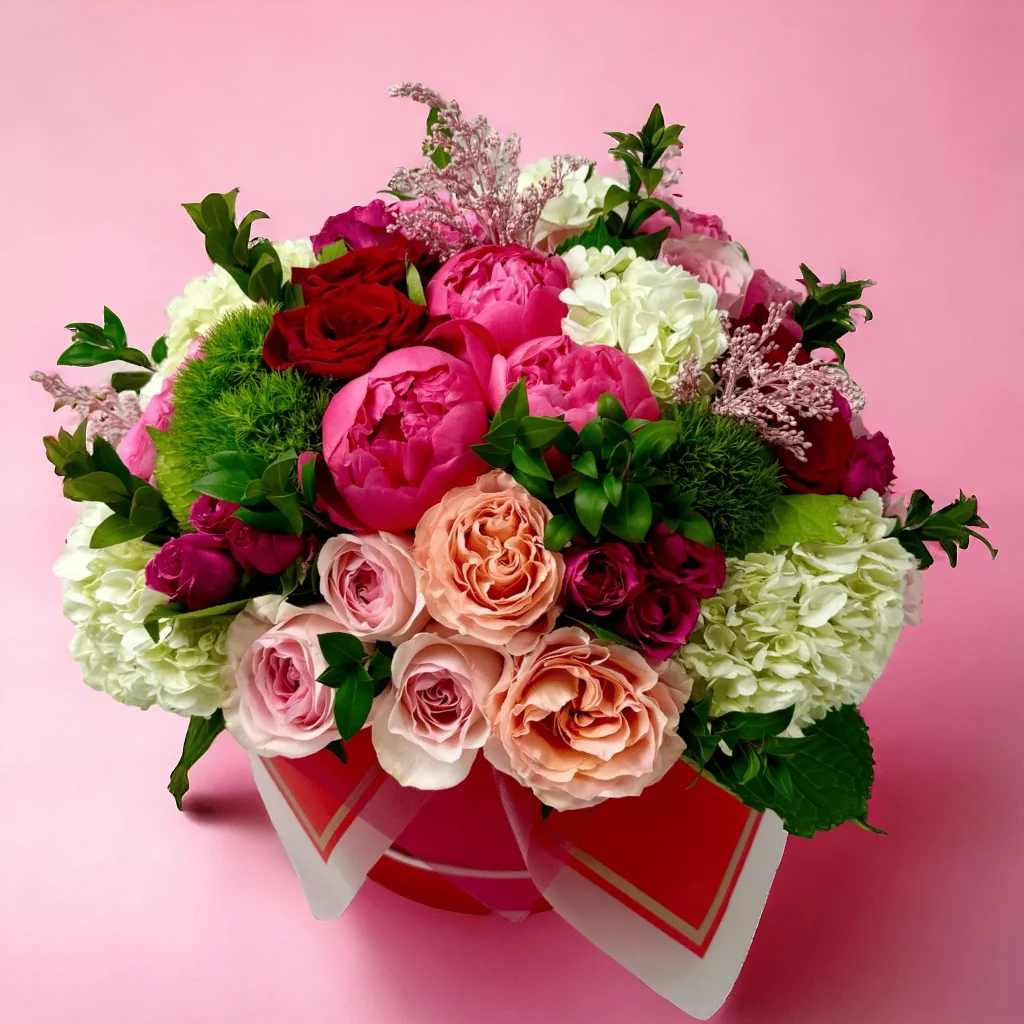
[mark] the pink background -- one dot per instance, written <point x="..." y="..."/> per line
<point x="883" y="136"/>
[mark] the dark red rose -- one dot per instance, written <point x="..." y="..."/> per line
<point x="344" y="333"/>
<point x="212" y="515"/>
<point x="659" y="617"/>
<point x="195" y="569"/>
<point x="828" y="458"/>
<point x="668" y="555"/>
<point x="377" y="264"/>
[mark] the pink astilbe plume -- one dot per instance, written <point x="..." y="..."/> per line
<point x="771" y="396"/>
<point x="108" y="414"/>
<point x="475" y="197"/>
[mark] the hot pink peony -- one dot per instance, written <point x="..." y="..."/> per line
<point x="511" y="291"/>
<point x="871" y="467"/>
<point x="429" y="725"/>
<point x="690" y="223"/>
<point x="579" y="722"/>
<point x="716" y="262"/>
<point x="486" y="572"/>
<point x="275" y="706"/>
<point x="370" y="582"/>
<point x="563" y="377"/>
<point x="359" y="228"/>
<point x="397" y="439"/>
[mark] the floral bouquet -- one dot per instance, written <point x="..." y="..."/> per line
<point x="528" y="464"/>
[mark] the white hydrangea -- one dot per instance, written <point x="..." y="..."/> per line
<point x="106" y="598"/>
<point x="655" y="313"/>
<point x="573" y="211"/>
<point x="206" y="299"/>
<point x="811" y="626"/>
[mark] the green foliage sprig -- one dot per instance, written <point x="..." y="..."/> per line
<point x="641" y="153"/>
<point x="952" y="528"/>
<point x="254" y="265"/>
<point x="614" y="486"/>
<point x="137" y="508"/>
<point x="356" y="678"/>
<point x="201" y="732"/>
<point x="93" y="344"/>
<point x="814" y="782"/>
<point x="267" y="492"/>
<point x="827" y="312"/>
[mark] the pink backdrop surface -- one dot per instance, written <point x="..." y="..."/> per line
<point x="882" y="136"/>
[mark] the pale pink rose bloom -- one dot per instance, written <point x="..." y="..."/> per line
<point x="716" y="262"/>
<point x="275" y="706"/>
<point x="370" y="582"/>
<point x="137" y="450"/>
<point x="487" y="573"/>
<point x="429" y="724"/>
<point x="579" y="722"/>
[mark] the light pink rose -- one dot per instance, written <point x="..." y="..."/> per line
<point x="275" y="706"/>
<point x="714" y="261"/>
<point x="370" y="582"/>
<point x="511" y="291"/>
<point x="690" y="223"/>
<point x="136" y="449"/>
<point x="486" y="571"/>
<point x="563" y="377"/>
<point x="397" y="438"/>
<point x="579" y="722"/>
<point x="429" y="725"/>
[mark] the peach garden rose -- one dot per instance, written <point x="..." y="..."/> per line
<point x="579" y="722"/>
<point x="486" y="572"/>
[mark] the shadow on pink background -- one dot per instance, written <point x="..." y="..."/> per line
<point x="880" y="136"/>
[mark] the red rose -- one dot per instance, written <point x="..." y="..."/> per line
<point x="343" y="333"/>
<point x="377" y="264"/>
<point x="828" y="458"/>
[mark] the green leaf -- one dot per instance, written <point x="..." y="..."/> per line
<point x="159" y="351"/>
<point x="560" y="530"/>
<point x="240" y="246"/>
<point x="530" y="462"/>
<point x="130" y="380"/>
<point x="590" y="503"/>
<point x="105" y="457"/>
<point x="96" y="486"/>
<point x="492" y="455"/>
<point x="307" y="478"/>
<point x="539" y="431"/>
<point x="612" y="488"/>
<point x="414" y="284"/>
<point x="609" y="407"/>
<point x="332" y="251"/>
<point x="134" y="356"/>
<point x="694" y="526"/>
<point x="514" y="407"/>
<point x="950" y="527"/>
<point x="602" y="634"/>
<point x="831" y="771"/>
<point x="567" y="484"/>
<point x="648" y="245"/>
<point x="341" y="648"/>
<point x="352" y="703"/>
<point x="803" y="518"/>
<point x="587" y="465"/>
<point x="749" y="725"/>
<point x="113" y="329"/>
<point x="632" y="519"/>
<point x="115" y="529"/>
<point x="827" y="312"/>
<point x="652" y="442"/>
<point x="595" y="237"/>
<point x="617" y="196"/>
<point x="201" y="732"/>
<point x="84" y="353"/>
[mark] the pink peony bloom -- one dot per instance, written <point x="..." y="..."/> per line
<point x="136" y="449"/>
<point x="397" y="439"/>
<point x="871" y="466"/>
<point x="468" y="341"/>
<point x="563" y="377"/>
<point x="511" y="291"/>
<point x="600" y="579"/>
<point x="195" y="569"/>
<point x="486" y="572"/>
<point x="359" y="228"/>
<point x="579" y="722"/>
<point x="762" y="289"/>
<point x="275" y="706"/>
<point x="429" y="725"/>
<point x="370" y="582"/>
<point x="714" y="261"/>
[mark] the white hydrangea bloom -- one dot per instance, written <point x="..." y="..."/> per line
<point x="655" y="313"/>
<point x="206" y="299"/>
<point x="106" y="598"/>
<point x="811" y="626"/>
<point x="570" y="212"/>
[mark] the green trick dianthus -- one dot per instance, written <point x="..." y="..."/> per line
<point x="230" y="401"/>
<point x="734" y="474"/>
